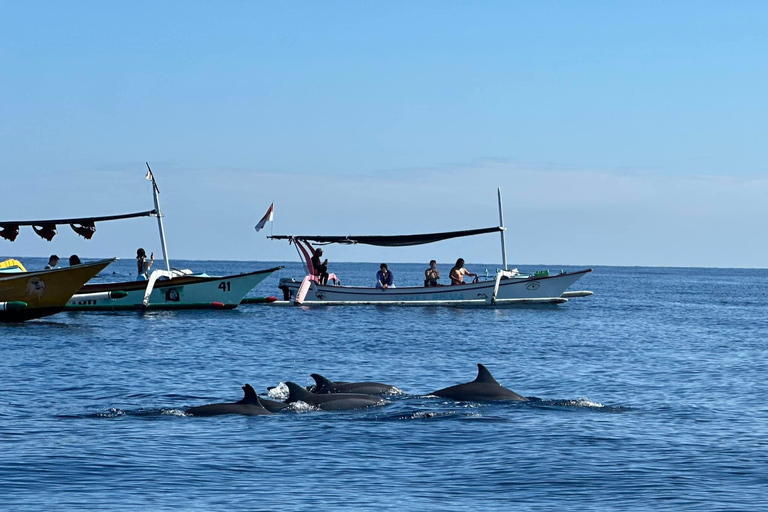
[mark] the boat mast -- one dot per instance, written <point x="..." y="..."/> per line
<point x="155" y="191"/>
<point x="503" y="229"/>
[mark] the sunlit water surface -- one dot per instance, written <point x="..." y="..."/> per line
<point x="652" y="396"/>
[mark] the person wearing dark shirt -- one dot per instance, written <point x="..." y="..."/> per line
<point x="431" y="275"/>
<point x="142" y="265"/>
<point x="321" y="267"/>
<point x="384" y="277"/>
<point x="53" y="262"/>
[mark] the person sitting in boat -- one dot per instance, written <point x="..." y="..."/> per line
<point x="384" y="277"/>
<point x="74" y="260"/>
<point x="321" y="268"/>
<point x="431" y="275"/>
<point x="458" y="272"/>
<point x="53" y="262"/>
<point x="143" y="265"/>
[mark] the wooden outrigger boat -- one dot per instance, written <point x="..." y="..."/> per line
<point x="182" y="291"/>
<point x="507" y="287"/>
<point x="169" y="288"/>
<point x="505" y="290"/>
<point x="26" y="295"/>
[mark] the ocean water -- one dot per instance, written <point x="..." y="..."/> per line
<point x="651" y="395"/>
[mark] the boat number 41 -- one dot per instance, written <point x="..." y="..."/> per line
<point x="225" y="286"/>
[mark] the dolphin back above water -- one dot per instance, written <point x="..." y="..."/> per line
<point x="324" y="386"/>
<point x="331" y="402"/>
<point x="250" y="405"/>
<point x="250" y="397"/>
<point x="483" y="389"/>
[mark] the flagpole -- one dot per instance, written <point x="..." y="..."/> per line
<point x="503" y="229"/>
<point x="155" y="192"/>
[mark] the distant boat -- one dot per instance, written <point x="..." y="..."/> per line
<point x="507" y="287"/>
<point x="26" y="295"/>
<point x="169" y="288"/>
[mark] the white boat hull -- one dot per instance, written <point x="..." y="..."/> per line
<point x="186" y="292"/>
<point x="514" y="290"/>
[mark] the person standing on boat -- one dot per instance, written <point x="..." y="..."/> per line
<point x="74" y="260"/>
<point x="143" y="265"/>
<point x="431" y="275"/>
<point x="321" y="268"/>
<point x="458" y="272"/>
<point x="53" y="262"/>
<point x="384" y="277"/>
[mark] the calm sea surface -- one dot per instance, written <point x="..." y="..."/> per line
<point x="652" y="397"/>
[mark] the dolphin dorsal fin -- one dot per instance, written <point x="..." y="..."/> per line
<point x="483" y="375"/>
<point x="296" y="392"/>
<point x="321" y="382"/>
<point x="249" y="395"/>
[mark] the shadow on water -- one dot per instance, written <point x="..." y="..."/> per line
<point x="39" y="323"/>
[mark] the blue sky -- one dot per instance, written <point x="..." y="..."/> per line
<point x="620" y="134"/>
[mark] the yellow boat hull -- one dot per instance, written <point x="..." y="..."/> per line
<point x="45" y="292"/>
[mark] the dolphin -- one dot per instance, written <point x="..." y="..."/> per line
<point x="250" y="397"/>
<point x="332" y="402"/>
<point x="250" y="405"/>
<point x="324" y="386"/>
<point x="483" y="389"/>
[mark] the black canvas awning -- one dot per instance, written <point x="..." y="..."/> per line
<point x="388" y="240"/>
<point x="83" y="226"/>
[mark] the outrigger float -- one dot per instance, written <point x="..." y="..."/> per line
<point x="169" y="288"/>
<point x="507" y="287"/>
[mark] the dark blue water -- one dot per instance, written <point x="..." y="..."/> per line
<point x="653" y="397"/>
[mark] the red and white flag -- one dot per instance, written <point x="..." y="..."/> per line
<point x="268" y="217"/>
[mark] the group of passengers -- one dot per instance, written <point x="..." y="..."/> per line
<point x="143" y="265"/>
<point x="53" y="261"/>
<point x="386" y="279"/>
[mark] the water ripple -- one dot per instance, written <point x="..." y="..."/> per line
<point x="648" y="395"/>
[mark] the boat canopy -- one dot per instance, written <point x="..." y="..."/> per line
<point x="83" y="226"/>
<point x="389" y="240"/>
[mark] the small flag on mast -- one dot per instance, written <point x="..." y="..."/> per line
<point x="268" y="217"/>
<point x="151" y="177"/>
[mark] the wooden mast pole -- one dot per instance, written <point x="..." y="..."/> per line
<point x="503" y="229"/>
<point x="155" y="192"/>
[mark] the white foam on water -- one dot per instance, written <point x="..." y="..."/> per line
<point x="473" y="405"/>
<point x="173" y="412"/>
<point x="585" y="402"/>
<point x="303" y="407"/>
<point x="112" y="413"/>
<point x="279" y="392"/>
<point x="428" y="415"/>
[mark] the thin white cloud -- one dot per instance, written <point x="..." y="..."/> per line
<point x="555" y="215"/>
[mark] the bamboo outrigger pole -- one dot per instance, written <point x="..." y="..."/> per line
<point x="501" y="225"/>
<point x="160" y="218"/>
